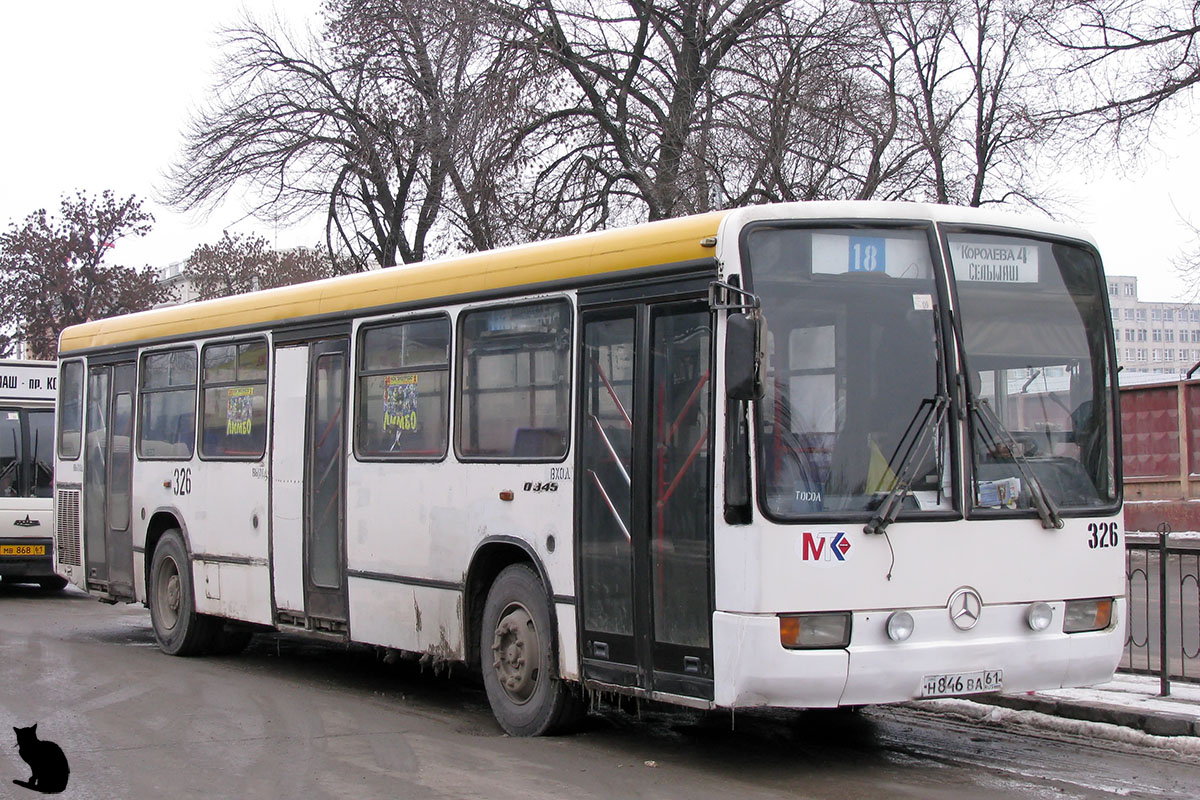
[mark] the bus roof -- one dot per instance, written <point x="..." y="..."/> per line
<point x="573" y="257"/>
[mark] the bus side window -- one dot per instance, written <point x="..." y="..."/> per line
<point x="233" y="399"/>
<point x="515" y="382"/>
<point x="70" y="410"/>
<point x="168" y="404"/>
<point x="403" y="392"/>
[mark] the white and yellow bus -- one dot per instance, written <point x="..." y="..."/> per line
<point x="809" y="455"/>
<point x="27" y="393"/>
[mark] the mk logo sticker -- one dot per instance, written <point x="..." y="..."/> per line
<point x="824" y="547"/>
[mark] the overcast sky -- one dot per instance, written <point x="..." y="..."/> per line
<point x="95" y="96"/>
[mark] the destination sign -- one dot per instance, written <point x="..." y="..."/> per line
<point x="20" y="381"/>
<point x="995" y="262"/>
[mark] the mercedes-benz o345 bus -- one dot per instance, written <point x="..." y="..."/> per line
<point x="798" y="455"/>
<point x="27" y="395"/>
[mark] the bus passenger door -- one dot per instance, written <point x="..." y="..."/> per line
<point x="644" y="498"/>
<point x="308" y="485"/>
<point x="107" y="479"/>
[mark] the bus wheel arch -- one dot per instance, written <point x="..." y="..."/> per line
<point x="490" y="558"/>
<point x="170" y="594"/>
<point x="161" y="521"/>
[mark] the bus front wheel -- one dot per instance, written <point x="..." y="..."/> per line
<point x="517" y="657"/>
<point x="180" y="631"/>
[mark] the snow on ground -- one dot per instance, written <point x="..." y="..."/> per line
<point x="1151" y="536"/>
<point x="1187" y="747"/>
<point x="1137" y="692"/>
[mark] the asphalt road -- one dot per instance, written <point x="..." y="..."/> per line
<point x="290" y="719"/>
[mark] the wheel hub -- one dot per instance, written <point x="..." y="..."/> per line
<point x="170" y="595"/>
<point x="516" y="653"/>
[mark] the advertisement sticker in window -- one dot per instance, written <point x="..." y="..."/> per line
<point x="400" y="402"/>
<point x="239" y="411"/>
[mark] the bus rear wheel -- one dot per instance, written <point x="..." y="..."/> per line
<point x="180" y="631"/>
<point x="517" y="657"/>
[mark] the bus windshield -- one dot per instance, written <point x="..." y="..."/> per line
<point x="856" y="375"/>
<point x="1034" y="338"/>
<point x="854" y="371"/>
<point x="26" y="452"/>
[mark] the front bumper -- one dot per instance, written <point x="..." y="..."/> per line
<point x="753" y="669"/>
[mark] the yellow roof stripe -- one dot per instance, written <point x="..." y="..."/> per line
<point x="666" y="242"/>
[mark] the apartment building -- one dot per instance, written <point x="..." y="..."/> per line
<point x="1159" y="338"/>
<point x="175" y="276"/>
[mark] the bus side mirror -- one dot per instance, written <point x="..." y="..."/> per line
<point x="743" y="356"/>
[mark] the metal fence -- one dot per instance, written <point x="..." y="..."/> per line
<point x="1162" y="631"/>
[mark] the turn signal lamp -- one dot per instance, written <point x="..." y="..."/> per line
<point x="1087" y="615"/>
<point x="814" y="631"/>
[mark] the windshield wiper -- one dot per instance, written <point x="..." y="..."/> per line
<point x="994" y="429"/>
<point x="915" y="455"/>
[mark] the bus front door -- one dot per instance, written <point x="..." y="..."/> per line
<point x="308" y="486"/>
<point x="107" y="475"/>
<point x="643" y="483"/>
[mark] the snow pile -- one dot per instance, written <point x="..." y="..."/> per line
<point x="1188" y="746"/>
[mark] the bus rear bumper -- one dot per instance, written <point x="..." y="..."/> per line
<point x="753" y="669"/>
<point x="17" y="563"/>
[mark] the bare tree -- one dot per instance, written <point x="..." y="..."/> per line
<point x="1008" y="125"/>
<point x="1129" y="60"/>
<point x="818" y="110"/>
<point x="677" y="107"/>
<point x="422" y="129"/>
<point x="969" y="87"/>
<point x="452" y="67"/>
<point x="306" y="129"/>
<point x="1128" y="64"/>
<point x="627" y="138"/>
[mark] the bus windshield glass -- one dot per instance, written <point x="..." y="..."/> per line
<point x="1034" y="338"/>
<point x="854" y="379"/>
<point x="26" y="454"/>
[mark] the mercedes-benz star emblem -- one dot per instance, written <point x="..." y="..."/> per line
<point x="965" y="607"/>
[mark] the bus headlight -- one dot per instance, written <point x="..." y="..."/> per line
<point x="1039" y="616"/>
<point x="900" y="626"/>
<point x="814" y="631"/>
<point x="1087" y="615"/>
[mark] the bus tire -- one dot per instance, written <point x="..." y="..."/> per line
<point x="55" y="583"/>
<point x="180" y="631"/>
<point x="517" y="657"/>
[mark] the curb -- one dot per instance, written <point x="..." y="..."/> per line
<point x="1157" y="723"/>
